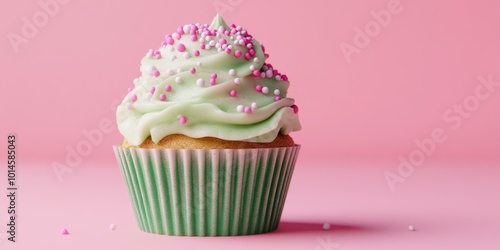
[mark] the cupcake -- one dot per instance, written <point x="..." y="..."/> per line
<point x="206" y="148"/>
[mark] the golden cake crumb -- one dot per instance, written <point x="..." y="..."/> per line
<point x="178" y="141"/>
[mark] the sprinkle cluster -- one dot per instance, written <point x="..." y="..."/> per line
<point x="234" y="41"/>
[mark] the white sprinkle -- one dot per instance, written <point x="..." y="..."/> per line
<point x="149" y="95"/>
<point x="256" y="60"/>
<point x="179" y="70"/>
<point x="150" y="69"/>
<point x="411" y="228"/>
<point x="170" y="71"/>
<point x="262" y="74"/>
<point x="238" y="37"/>
<point x="269" y="73"/>
<point x="112" y="227"/>
<point x="254" y="106"/>
<point x="277" y="92"/>
<point x="201" y="40"/>
<point x="178" y="79"/>
<point x="186" y="55"/>
<point x="200" y="82"/>
<point x="198" y="63"/>
<point x="238" y="28"/>
<point x="218" y="45"/>
<point x="237" y="80"/>
<point x="150" y="53"/>
<point x="278" y="78"/>
<point x="186" y="28"/>
<point x="230" y="47"/>
<point x="207" y="47"/>
<point x="265" y="90"/>
<point x="219" y="49"/>
<point x="224" y="46"/>
<point x="208" y="38"/>
<point x="252" y="67"/>
<point x="326" y="226"/>
<point x="231" y="37"/>
<point x="173" y="57"/>
<point x="128" y="105"/>
<point x="136" y="81"/>
<point x="232" y="72"/>
<point x="176" y="35"/>
<point x="240" y="108"/>
<point x="249" y="45"/>
<point x="172" y="49"/>
<point x="242" y="42"/>
<point x="212" y="43"/>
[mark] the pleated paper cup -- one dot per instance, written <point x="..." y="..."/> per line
<point x="212" y="192"/>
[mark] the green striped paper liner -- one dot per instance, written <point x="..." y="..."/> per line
<point x="212" y="192"/>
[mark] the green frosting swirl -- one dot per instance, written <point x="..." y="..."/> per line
<point x="161" y="101"/>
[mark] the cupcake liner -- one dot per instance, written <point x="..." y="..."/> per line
<point x="213" y="192"/>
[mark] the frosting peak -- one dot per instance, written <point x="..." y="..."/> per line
<point x="208" y="81"/>
<point x="217" y="22"/>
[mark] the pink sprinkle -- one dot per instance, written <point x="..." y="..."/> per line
<point x="202" y="46"/>
<point x="64" y="232"/>
<point x="170" y="40"/>
<point x="256" y="73"/>
<point x="181" y="47"/>
<point x="263" y="48"/>
<point x="180" y="30"/>
<point x="232" y="93"/>
<point x="284" y="77"/>
<point x="182" y="120"/>
<point x="192" y="70"/>
<point x="129" y="89"/>
<point x="163" y="43"/>
<point x="237" y="54"/>
<point x="228" y="50"/>
<point x="248" y="56"/>
<point x="163" y="97"/>
<point x="213" y="75"/>
<point x="252" y="52"/>
<point x="277" y="98"/>
<point x="258" y="88"/>
<point x="295" y="109"/>
<point x="133" y="98"/>
<point x="196" y="53"/>
<point x="212" y="81"/>
<point x="222" y="41"/>
<point x="194" y="38"/>
<point x="248" y="110"/>
<point x="168" y="88"/>
<point x="153" y="89"/>
<point x="155" y="72"/>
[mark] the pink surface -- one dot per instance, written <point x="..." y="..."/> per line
<point x="451" y="205"/>
<point x="409" y="89"/>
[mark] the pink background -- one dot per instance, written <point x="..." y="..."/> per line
<point x="366" y="112"/>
